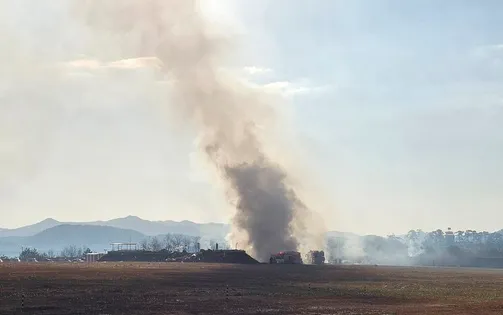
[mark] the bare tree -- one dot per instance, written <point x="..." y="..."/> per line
<point x="69" y="251"/>
<point x="196" y="241"/>
<point x="86" y="250"/>
<point x="225" y="245"/>
<point x="144" y="244"/>
<point x="168" y="242"/>
<point x="213" y="244"/>
<point x="177" y="241"/>
<point x="50" y="253"/>
<point x="186" y="242"/>
<point x="155" y="244"/>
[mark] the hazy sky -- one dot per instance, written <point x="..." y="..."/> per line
<point x="397" y="107"/>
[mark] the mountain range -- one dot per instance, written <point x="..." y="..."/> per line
<point x="150" y="228"/>
<point x="51" y="234"/>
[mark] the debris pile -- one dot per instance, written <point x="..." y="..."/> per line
<point x="225" y="256"/>
<point x="286" y="257"/>
<point x="315" y="257"/>
<point x="144" y="256"/>
<point x="207" y="256"/>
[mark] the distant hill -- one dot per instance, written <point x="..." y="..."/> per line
<point x="56" y="238"/>
<point x="151" y="228"/>
<point x="30" y="230"/>
<point x="66" y="234"/>
<point x="147" y="227"/>
<point x="215" y="230"/>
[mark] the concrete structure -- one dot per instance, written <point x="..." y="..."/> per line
<point x="93" y="257"/>
<point x="124" y="246"/>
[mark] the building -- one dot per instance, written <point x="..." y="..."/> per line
<point x="94" y="257"/>
<point x="124" y="246"/>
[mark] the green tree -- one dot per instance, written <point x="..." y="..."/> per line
<point x="29" y="253"/>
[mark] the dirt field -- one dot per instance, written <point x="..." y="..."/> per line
<point x="191" y="288"/>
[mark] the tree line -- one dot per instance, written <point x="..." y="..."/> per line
<point x="177" y="243"/>
<point x="169" y="242"/>
<point x="68" y="252"/>
<point x="469" y="242"/>
<point x="418" y="247"/>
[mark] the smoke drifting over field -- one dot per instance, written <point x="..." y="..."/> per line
<point x="173" y="36"/>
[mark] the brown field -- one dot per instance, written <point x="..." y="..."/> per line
<point x="178" y="288"/>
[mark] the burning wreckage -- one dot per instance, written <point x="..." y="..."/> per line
<point x="286" y="257"/>
<point x="314" y="257"/>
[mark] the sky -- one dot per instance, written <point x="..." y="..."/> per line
<point x="396" y="108"/>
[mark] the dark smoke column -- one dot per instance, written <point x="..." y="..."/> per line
<point x="226" y="113"/>
<point x="266" y="207"/>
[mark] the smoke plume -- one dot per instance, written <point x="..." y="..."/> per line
<point x="225" y="111"/>
<point x="235" y="120"/>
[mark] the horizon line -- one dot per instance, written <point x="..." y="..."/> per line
<point x="125" y="217"/>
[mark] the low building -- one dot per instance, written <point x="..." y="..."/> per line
<point x="124" y="247"/>
<point x="94" y="257"/>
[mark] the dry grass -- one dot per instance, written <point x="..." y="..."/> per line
<point x="177" y="288"/>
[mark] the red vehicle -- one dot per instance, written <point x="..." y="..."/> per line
<point x="286" y="257"/>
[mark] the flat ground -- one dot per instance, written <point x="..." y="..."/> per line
<point x="193" y="288"/>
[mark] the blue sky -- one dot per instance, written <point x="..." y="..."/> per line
<point x="411" y="134"/>
<point x="396" y="106"/>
